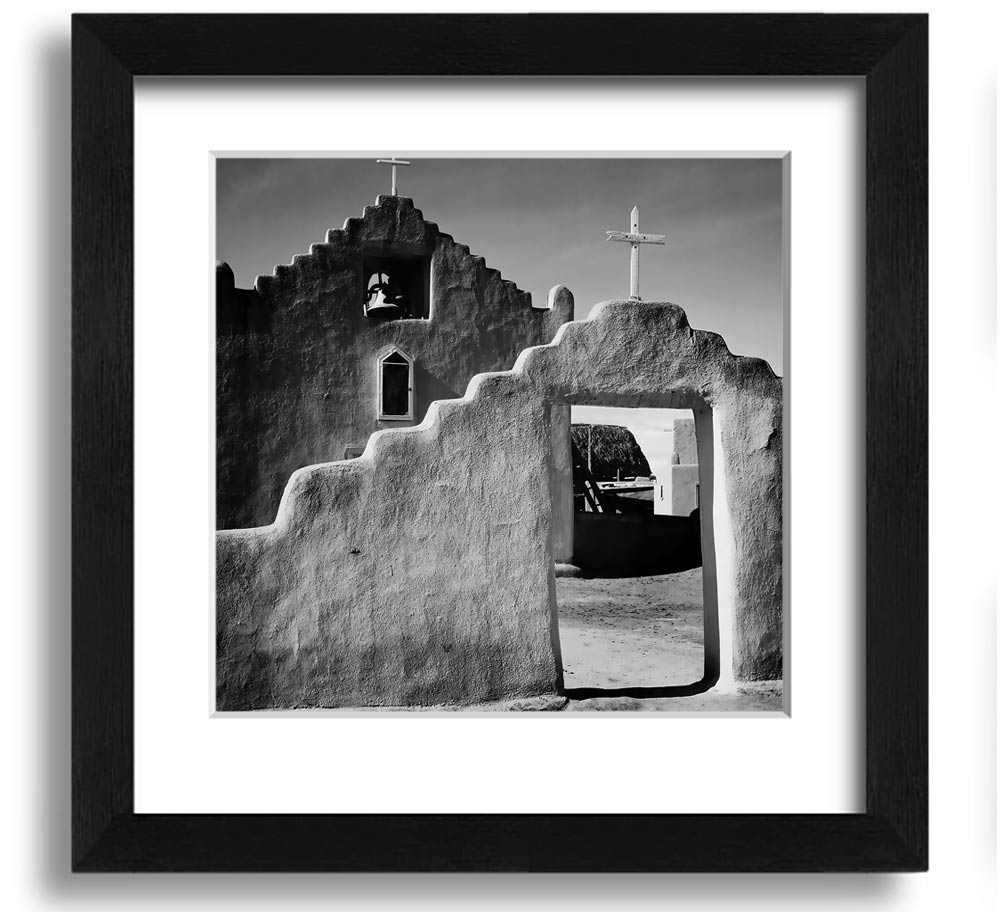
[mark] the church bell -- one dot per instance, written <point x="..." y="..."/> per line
<point x="385" y="299"/>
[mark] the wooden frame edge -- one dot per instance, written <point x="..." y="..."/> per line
<point x="891" y="53"/>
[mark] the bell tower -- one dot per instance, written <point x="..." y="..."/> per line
<point x="396" y="278"/>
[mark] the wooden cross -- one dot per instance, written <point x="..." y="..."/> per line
<point x="635" y="239"/>
<point x="393" y="162"/>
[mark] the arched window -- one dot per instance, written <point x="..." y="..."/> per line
<point x="395" y="387"/>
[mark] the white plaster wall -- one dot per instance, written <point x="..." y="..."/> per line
<point x="723" y="541"/>
<point x="680" y="472"/>
<point x="662" y="492"/>
<point x="718" y="648"/>
<point x="683" y="489"/>
<point x="562" y="485"/>
<point x="685" y="441"/>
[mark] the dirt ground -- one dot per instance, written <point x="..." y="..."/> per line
<point x="642" y="632"/>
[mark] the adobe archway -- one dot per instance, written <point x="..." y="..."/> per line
<point x="647" y="355"/>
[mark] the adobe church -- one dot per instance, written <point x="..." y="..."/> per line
<point x="360" y="334"/>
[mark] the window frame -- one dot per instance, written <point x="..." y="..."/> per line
<point x="380" y="360"/>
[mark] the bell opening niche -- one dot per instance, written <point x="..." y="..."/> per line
<point x="396" y="288"/>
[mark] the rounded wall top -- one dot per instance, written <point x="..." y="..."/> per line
<point x="224" y="274"/>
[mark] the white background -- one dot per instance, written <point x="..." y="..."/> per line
<point x="963" y="542"/>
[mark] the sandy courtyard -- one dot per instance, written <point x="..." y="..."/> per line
<point x="642" y="632"/>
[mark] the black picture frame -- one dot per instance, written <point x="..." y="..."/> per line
<point x="889" y="51"/>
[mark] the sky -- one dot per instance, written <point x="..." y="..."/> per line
<point x="542" y="222"/>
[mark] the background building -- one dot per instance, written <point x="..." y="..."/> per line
<point x="362" y="333"/>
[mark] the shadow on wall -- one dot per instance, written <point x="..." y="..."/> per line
<point x="432" y="388"/>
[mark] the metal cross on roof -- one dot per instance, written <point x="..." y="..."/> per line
<point x="635" y="239"/>
<point x="393" y="162"/>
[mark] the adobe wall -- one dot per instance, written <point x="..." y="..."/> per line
<point x="422" y="572"/>
<point x="685" y="441"/>
<point x="296" y="376"/>
<point x="683" y="489"/>
<point x="684" y="475"/>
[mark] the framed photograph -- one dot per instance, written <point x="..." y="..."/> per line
<point x="373" y="549"/>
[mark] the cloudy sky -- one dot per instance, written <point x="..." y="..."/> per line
<point x="542" y="222"/>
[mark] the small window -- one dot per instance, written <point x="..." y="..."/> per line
<point x="395" y="387"/>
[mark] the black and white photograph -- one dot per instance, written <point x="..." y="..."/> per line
<point x="500" y="433"/>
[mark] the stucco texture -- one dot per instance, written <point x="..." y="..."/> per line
<point x="296" y="357"/>
<point x="422" y="572"/>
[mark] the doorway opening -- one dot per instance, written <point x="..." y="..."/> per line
<point x="637" y="606"/>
